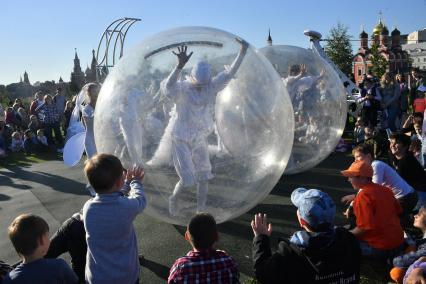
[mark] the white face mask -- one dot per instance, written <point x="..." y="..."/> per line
<point x="201" y="73"/>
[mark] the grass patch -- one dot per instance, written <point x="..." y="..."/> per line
<point x="20" y="159"/>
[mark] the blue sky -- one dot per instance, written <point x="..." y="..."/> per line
<point x="40" y="36"/>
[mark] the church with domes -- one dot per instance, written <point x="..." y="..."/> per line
<point x="389" y="46"/>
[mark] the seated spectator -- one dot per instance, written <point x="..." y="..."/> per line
<point x="30" y="237"/>
<point x="23" y="118"/>
<point x="71" y="237"/>
<point x="359" y="131"/>
<point x="377" y="212"/>
<point x="407" y="165"/>
<point x="321" y="253"/>
<point x="416" y="273"/>
<point x="112" y="252"/>
<point x="408" y="126"/>
<point x="372" y="141"/>
<point x="31" y="143"/>
<point x="17" y="142"/>
<point x="402" y="262"/>
<point x="204" y="263"/>
<point x="416" y="149"/>
<point x="384" y="175"/>
<point x="34" y="124"/>
<point x="41" y="138"/>
<point x="417" y="131"/>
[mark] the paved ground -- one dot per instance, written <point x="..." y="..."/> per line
<point x="55" y="192"/>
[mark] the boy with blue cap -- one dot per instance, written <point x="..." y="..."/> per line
<point x="320" y="253"/>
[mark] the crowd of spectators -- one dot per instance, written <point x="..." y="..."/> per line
<point x="387" y="205"/>
<point x="35" y="128"/>
<point x="389" y="201"/>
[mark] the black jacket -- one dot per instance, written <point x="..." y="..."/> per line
<point x="328" y="258"/>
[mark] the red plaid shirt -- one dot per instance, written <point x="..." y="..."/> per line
<point x="209" y="266"/>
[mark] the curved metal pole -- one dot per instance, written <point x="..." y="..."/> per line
<point x="116" y="31"/>
<point x="109" y="40"/>
<point x="105" y="34"/>
<point x="125" y="33"/>
<point x="119" y="36"/>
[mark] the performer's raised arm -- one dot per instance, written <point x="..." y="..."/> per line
<point x="221" y="79"/>
<point x="171" y="80"/>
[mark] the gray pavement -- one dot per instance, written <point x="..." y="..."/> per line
<point x="55" y="192"/>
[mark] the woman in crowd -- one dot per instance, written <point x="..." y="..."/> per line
<point x="390" y="99"/>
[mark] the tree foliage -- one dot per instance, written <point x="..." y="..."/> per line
<point x="379" y="63"/>
<point x="339" y="48"/>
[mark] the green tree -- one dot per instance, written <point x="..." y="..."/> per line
<point x="339" y="48"/>
<point x="378" y="61"/>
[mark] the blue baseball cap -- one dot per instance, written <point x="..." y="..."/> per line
<point x="314" y="206"/>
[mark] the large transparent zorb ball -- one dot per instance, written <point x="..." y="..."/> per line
<point x="224" y="134"/>
<point x="319" y="103"/>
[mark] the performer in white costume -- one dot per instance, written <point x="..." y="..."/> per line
<point x="88" y="112"/>
<point x="194" y="99"/>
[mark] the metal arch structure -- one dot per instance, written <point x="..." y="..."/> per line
<point x="113" y="36"/>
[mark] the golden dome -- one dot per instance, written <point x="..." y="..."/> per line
<point x="378" y="29"/>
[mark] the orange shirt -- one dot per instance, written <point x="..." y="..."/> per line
<point x="377" y="212"/>
<point x="419" y="105"/>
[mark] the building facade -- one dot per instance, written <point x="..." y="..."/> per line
<point x="388" y="46"/>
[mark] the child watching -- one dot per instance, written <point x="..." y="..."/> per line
<point x="41" y="138"/>
<point x="416" y="149"/>
<point x="30" y="237"/>
<point x="34" y="124"/>
<point x="320" y="253"/>
<point x="30" y="142"/>
<point x="17" y="142"/>
<point x="112" y="252"/>
<point x="203" y="264"/>
<point x="359" y="131"/>
<point x="401" y="263"/>
<point x="377" y="211"/>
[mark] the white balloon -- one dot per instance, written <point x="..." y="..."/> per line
<point x="319" y="103"/>
<point x="244" y="132"/>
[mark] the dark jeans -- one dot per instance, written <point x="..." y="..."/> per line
<point x="369" y="116"/>
<point x="408" y="202"/>
<point x="71" y="237"/>
<point x="379" y="254"/>
<point x="48" y="127"/>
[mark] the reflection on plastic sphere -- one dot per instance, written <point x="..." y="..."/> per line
<point x="319" y="103"/>
<point x="213" y="136"/>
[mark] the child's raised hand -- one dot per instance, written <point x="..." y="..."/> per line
<point x="135" y="173"/>
<point x="260" y="225"/>
<point x="138" y="173"/>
